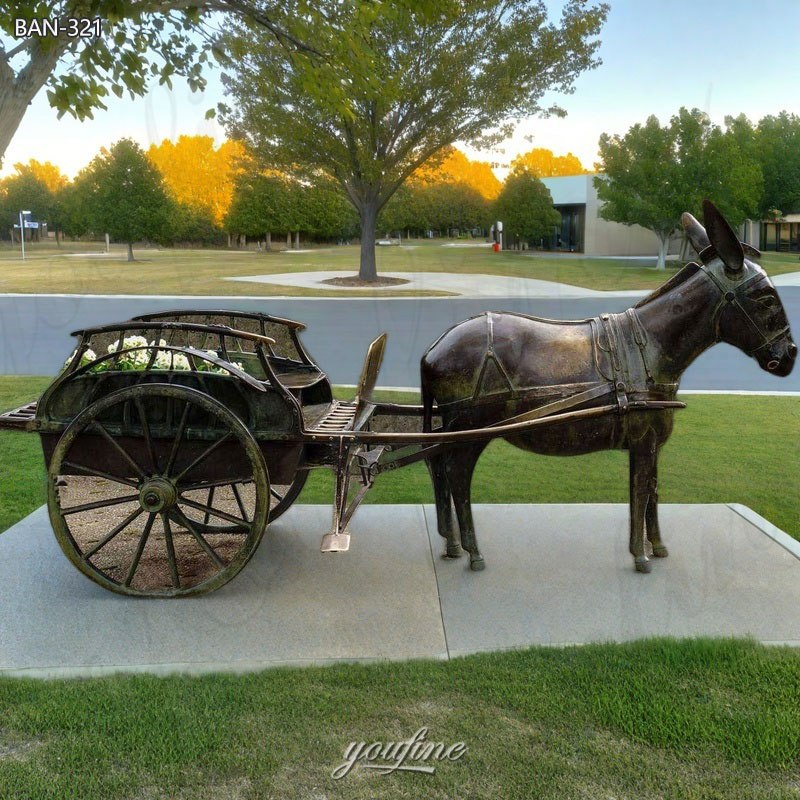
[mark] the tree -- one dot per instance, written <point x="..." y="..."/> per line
<point x="525" y="207"/>
<point x="544" y="164"/>
<point x="36" y="187"/>
<point x="198" y="174"/>
<point x="652" y="174"/>
<point x="260" y="206"/>
<point x="140" y="41"/>
<point x="778" y="152"/>
<point x="463" y="73"/>
<point x="455" y="167"/>
<point x="126" y="195"/>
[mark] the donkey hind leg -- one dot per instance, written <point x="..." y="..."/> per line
<point x="460" y="464"/>
<point x="651" y="514"/>
<point x="642" y="471"/>
<point x="445" y="522"/>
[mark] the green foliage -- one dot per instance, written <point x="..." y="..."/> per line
<point x="652" y="174"/>
<point x="126" y="196"/>
<point x="397" y="86"/>
<point x="525" y="207"/>
<point x="188" y="224"/>
<point x="779" y="153"/>
<point x="274" y="203"/>
<point x="439" y="206"/>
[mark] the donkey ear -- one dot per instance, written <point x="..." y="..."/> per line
<point x="695" y="231"/>
<point x="723" y="238"/>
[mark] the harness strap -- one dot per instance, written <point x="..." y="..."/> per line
<point x="732" y="297"/>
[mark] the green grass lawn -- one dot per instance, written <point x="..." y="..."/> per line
<point x="652" y="719"/>
<point x="724" y="449"/>
<point x="649" y="719"/>
<point x="202" y="272"/>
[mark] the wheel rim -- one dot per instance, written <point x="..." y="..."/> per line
<point x="130" y="524"/>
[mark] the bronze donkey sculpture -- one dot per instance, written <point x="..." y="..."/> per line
<point x="494" y="366"/>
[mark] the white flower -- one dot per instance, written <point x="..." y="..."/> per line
<point x="163" y="360"/>
<point x="180" y="362"/>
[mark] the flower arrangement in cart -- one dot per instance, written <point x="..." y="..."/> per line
<point x="137" y="354"/>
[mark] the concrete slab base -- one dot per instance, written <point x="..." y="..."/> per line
<point x="556" y="574"/>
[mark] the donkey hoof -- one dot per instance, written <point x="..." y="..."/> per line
<point x="453" y="551"/>
<point x="476" y="563"/>
<point x="642" y="564"/>
<point x="660" y="551"/>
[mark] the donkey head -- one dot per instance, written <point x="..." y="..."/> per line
<point x="749" y="314"/>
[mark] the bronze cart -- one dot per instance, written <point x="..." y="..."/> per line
<point x="171" y="441"/>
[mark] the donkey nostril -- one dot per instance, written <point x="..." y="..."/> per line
<point x="792" y="349"/>
<point x="773" y="365"/>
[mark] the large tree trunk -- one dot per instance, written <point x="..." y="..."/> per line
<point x="18" y="90"/>
<point x="663" y="246"/>
<point x="297" y="240"/>
<point x="130" y="251"/>
<point x="268" y="241"/>
<point x="369" y="215"/>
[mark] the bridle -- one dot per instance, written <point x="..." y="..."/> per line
<point x="733" y="297"/>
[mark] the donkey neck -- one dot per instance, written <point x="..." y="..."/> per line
<point x="679" y="326"/>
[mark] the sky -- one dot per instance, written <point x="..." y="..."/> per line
<point x="724" y="57"/>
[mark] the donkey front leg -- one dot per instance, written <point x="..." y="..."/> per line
<point x="651" y="513"/>
<point x="642" y="473"/>
<point x="460" y="464"/>
<point x="446" y="524"/>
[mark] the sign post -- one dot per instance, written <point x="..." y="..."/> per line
<point x="22" y="215"/>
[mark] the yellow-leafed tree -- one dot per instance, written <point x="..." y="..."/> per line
<point x="43" y="171"/>
<point x="542" y="163"/>
<point x="452" y="166"/>
<point x="198" y="174"/>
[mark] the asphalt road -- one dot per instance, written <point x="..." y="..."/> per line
<point x="34" y="331"/>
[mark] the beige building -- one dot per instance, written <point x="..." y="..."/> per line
<point x="583" y="231"/>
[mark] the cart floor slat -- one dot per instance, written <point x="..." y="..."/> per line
<point x="19" y="418"/>
<point x="329" y="417"/>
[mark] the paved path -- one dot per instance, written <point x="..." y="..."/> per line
<point x="34" y="331"/>
<point x="555" y="575"/>
<point x="466" y="285"/>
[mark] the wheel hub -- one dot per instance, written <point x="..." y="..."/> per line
<point x="157" y="494"/>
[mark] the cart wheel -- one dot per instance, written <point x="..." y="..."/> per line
<point x="123" y="507"/>
<point x="281" y="497"/>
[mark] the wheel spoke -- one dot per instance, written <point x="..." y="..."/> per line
<point x="239" y="502"/>
<point x="214" y="512"/>
<point x="178" y="436"/>
<point x="184" y="520"/>
<point x="210" y="502"/>
<point x="203" y="456"/>
<point x="146" y="432"/>
<point x="200" y="485"/>
<point x="113" y="442"/>
<point x="98" y="474"/>
<point x="109" y="536"/>
<point x="140" y="549"/>
<point x="111" y="501"/>
<point x="173" y="564"/>
<point x="276" y="495"/>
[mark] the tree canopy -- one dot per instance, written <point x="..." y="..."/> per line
<point x="653" y="173"/>
<point x="197" y="174"/>
<point x="543" y="163"/>
<point x="463" y="73"/>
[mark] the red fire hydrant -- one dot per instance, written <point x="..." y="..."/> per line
<point x="496" y="247"/>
